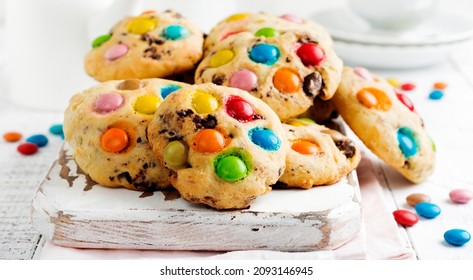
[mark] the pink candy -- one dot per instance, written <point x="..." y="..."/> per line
<point x="461" y="196"/>
<point x="292" y="18"/>
<point x="116" y="51"/>
<point x="244" y="79"/>
<point x="108" y="102"/>
<point x="363" y="73"/>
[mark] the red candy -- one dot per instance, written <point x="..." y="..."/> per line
<point x="311" y="54"/>
<point x="239" y="109"/>
<point x="408" y="86"/>
<point x="405" y="218"/>
<point x="405" y="100"/>
<point x="27" y="148"/>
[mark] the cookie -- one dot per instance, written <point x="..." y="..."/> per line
<point x="386" y="122"/>
<point x="287" y="69"/>
<point x="322" y="111"/>
<point x="224" y="146"/>
<point x="106" y="128"/>
<point x="151" y="45"/>
<point x="317" y="155"/>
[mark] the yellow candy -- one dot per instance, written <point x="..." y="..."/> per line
<point x="146" y="104"/>
<point x="204" y="103"/>
<point x="394" y="82"/>
<point x="175" y="154"/>
<point x="296" y="123"/>
<point x="221" y="58"/>
<point x="236" y="17"/>
<point x="141" y="25"/>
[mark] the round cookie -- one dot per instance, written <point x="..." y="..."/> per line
<point x="106" y="127"/>
<point x="151" y="45"/>
<point x="386" y="122"/>
<point x="224" y="146"/>
<point x="317" y="155"/>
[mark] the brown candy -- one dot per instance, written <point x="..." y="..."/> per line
<point x="416" y="198"/>
<point x="131" y="84"/>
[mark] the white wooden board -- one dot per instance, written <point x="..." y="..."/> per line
<point x="71" y="210"/>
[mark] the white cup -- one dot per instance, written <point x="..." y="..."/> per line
<point x="395" y="15"/>
<point x="46" y="44"/>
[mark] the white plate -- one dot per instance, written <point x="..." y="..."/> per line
<point x="441" y="28"/>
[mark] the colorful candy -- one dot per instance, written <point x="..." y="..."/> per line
<point x="363" y="73"/>
<point x="461" y="196"/>
<point x="56" y="129"/>
<point x="116" y="51"/>
<point x="12" y="136"/>
<point x="141" y="25"/>
<point x="221" y="58"/>
<point x="168" y="89"/>
<point x="228" y="34"/>
<point x="457" y="237"/>
<point x="408" y="86"/>
<point x="374" y="98"/>
<point x="175" y="154"/>
<point x="440" y="85"/>
<point x="39" y="139"/>
<point x="291" y="18"/>
<point x="244" y="79"/>
<point x="267" y="32"/>
<point x="239" y="109"/>
<point x="415" y="198"/>
<point x="427" y="210"/>
<point x="265" y="138"/>
<point x="175" y="32"/>
<point x="130" y="84"/>
<point x="301" y="122"/>
<point x="287" y="80"/>
<point x="394" y="82"/>
<point x="27" y="148"/>
<point x="114" y="140"/>
<point x="436" y="94"/>
<point x="406" y="101"/>
<point x="108" y="102"/>
<point x="237" y="17"/>
<point x="264" y="54"/>
<point x="209" y="141"/>
<point x="231" y="168"/>
<point x="311" y="54"/>
<point x="146" y="104"/>
<point x="405" y="217"/>
<point x="305" y="147"/>
<point x="407" y="141"/>
<point x="204" y="103"/>
<point x="97" y="42"/>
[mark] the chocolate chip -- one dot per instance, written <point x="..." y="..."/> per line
<point x="138" y="140"/>
<point x="257" y="117"/>
<point x="288" y="60"/>
<point x="126" y="176"/>
<point x="145" y="166"/>
<point x="312" y="84"/>
<point x="208" y="122"/>
<point x="185" y="113"/>
<point x="218" y="79"/>
<point x="347" y="147"/>
<point x="130" y="84"/>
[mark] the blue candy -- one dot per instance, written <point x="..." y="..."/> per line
<point x="436" y="95"/>
<point x="427" y="210"/>
<point x="39" y="139"/>
<point x="265" y="54"/>
<point x="56" y="129"/>
<point x="265" y="138"/>
<point x="407" y="141"/>
<point x="168" y="89"/>
<point x="457" y="237"/>
<point x="175" y="32"/>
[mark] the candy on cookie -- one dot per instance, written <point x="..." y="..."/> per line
<point x="152" y="45"/>
<point x="386" y="122"/>
<point x="223" y="146"/>
<point x="106" y="128"/>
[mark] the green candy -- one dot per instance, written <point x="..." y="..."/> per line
<point x="231" y="168"/>
<point x="100" y="40"/>
<point x="175" y="154"/>
<point x="267" y="32"/>
<point x="307" y="120"/>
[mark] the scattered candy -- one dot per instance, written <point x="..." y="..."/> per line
<point x="97" y="42"/>
<point x="221" y="58"/>
<point x="237" y="17"/>
<point x="292" y="18"/>
<point x="264" y="54"/>
<point x="114" y="140"/>
<point x="231" y="168"/>
<point x="130" y="84"/>
<point x="265" y="138"/>
<point x="408" y="86"/>
<point x="427" y="210"/>
<point x="115" y="52"/>
<point x="209" y="141"/>
<point x="305" y="147"/>
<point x="415" y="198"/>
<point x="394" y="82"/>
<point x="56" y="129"/>
<point x="39" y="139"/>
<point x="226" y="35"/>
<point x="27" y="148"/>
<point x="407" y="141"/>
<point x="287" y="80"/>
<point x="267" y="32"/>
<point x="363" y="73"/>
<point x="461" y="196"/>
<point x="406" y="101"/>
<point x="12" y="136"/>
<point x="457" y="237"/>
<point x="301" y="122"/>
<point x="374" y="98"/>
<point x="204" y="103"/>
<point x="146" y="104"/>
<point x="436" y="95"/>
<point x="239" y="109"/>
<point x="108" y="102"/>
<point x="168" y="89"/>
<point x="311" y="54"/>
<point x="141" y="25"/>
<point x="434" y="147"/>
<point x="175" y="154"/>
<point x="175" y="32"/>
<point x="440" y="85"/>
<point x="244" y="79"/>
<point x="405" y="217"/>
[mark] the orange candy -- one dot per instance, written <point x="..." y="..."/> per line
<point x="305" y="147"/>
<point x="374" y="98"/>
<point x="209" y="141"/>
<point x="287" y="80"/>
<point x="440" y="85"/>
<point x="114" y="140"/>
<point x="12" y="136"/>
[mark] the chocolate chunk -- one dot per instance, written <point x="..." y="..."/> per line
<point x="218" y="79"/>
<point x="126" y="176"/>
<point x="145" y="166"/>
<point x="312" y="84"/>
<point x="185" y="113"/>
<point x="288" y="60"/>
<point x="347" y="147"/>
<point x="208" y="122"/>
<point x="257" y="117"/>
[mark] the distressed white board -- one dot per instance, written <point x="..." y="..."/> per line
<point x="70" y="210"/>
